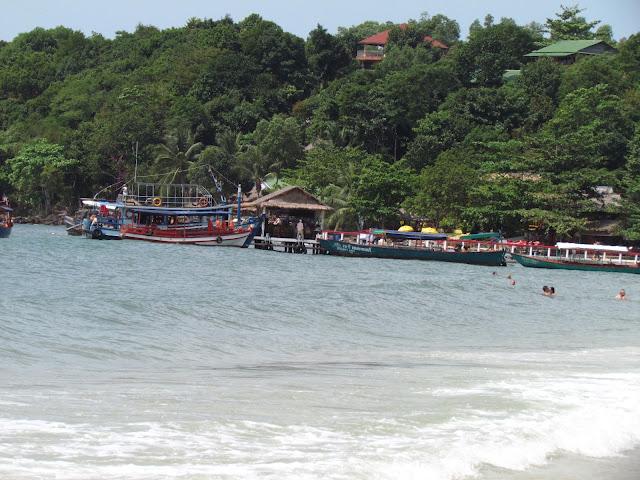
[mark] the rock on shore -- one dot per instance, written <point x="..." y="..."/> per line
<point x="52" y="219"/>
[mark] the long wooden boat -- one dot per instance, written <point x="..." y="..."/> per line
<point x="493" y="258"/>
<point x="590" y="258"/>
<point x="167" y="213"/>
<point x="208" y="226"/>
<point x="6" y="220"/>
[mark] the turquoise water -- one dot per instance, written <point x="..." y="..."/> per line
<point x="130" y="360"/>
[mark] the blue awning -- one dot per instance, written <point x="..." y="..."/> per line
<point x="482" y="236"/>
<point x="206" y="211"/>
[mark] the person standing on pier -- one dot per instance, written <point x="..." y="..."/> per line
<point x="300" y="230"/>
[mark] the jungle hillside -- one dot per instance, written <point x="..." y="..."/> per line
<point x="436" y="135"/>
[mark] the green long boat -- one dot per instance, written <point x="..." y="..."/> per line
<point x="559" y="263"/>
<point x="492" y="258"/>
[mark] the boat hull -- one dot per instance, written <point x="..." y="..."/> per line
<point x="103" y="234"/>
<point x="73" y="227"/>
<point x="347" y="249"/>
<point x="5" y="232"/>
<point x="534" y="262"/>
<point x="224" y="240"/>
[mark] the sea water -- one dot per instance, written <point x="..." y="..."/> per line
<point x="131" y="360"/>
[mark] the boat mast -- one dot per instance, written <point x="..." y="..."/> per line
<point x="239" y="201"/>
<point x="135" y="171"/>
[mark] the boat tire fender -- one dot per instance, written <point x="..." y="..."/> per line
<point x="97" y="234"/>
<point x="218" y="239"/>
<point x="157" y="202"/>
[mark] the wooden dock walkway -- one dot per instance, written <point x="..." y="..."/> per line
<point x="287" y="245"/>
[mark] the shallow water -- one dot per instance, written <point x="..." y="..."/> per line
<point x="129" y="360"/>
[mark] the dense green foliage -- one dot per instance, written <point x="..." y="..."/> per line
<point x="434" y="135"/>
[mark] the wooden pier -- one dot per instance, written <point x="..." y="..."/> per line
<point x="287" y="245"/>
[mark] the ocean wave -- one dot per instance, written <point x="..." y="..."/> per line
<point x="594" y="415"/>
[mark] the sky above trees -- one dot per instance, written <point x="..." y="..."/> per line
<point x="296" y="16"/>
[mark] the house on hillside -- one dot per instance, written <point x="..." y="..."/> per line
<point x="371" y="49"/>
<point x="567" y="51"/>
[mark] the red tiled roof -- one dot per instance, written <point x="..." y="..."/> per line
<point x="382" y="38"/>
<point x="434" y="42"/>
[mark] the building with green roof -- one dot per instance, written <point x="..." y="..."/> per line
<point x="566" y="51"/>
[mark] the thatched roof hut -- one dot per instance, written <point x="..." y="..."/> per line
<point x="285" y="208"/>
<point x="288" y="198"/>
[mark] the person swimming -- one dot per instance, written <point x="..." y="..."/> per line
<point x="546" y="291"/>
<point x="622" y="295"/>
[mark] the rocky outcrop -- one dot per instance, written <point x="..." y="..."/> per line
<point x="56" y="218"/>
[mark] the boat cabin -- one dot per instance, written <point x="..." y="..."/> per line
<point x="6" y="220"/>
<point x="168" y="218"/>
<point x="5" y="216"/>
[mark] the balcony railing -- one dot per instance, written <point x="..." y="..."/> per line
<point x="372" y="55"/>
<point x="168" y="195"/>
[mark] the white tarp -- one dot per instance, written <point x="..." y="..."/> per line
<point x="98" y="204"/>
<point x="586" y="246"/>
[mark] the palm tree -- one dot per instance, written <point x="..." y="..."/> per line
<point x="177" y="155"/>
<point x="337" y="195"/>
<point x="229" y="144"/>
<point x="338" y="198"/>
<point x="255" y="166"/>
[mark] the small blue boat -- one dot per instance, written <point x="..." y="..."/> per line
<point x="102" y="220"/>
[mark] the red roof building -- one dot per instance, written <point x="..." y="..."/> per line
<point x="372" y="48"/>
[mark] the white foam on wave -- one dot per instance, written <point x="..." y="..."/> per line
<point x="590" y="416"/>
<point x="515" y="422"/>
<point x="594" y="416"/>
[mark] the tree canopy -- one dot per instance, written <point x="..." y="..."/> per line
<point x="427" y="133"/>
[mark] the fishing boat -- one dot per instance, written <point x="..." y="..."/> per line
<point x="183" y="214"/>
<point x="6" y="220"/>
<point x="198" y="226"/>
<point x="576" y="256"/>
<point x="101" y="219"/>
<point x="413" y="246"/>
<point x="74" y="223"/>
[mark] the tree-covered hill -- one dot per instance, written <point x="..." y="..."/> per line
<point x="437" y="134"/>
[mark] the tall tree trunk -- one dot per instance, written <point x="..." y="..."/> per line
<point x="47" y="201"/>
